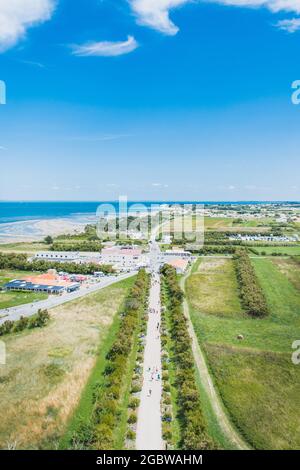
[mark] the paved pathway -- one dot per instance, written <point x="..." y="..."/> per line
<point x="27" y="310"/>
<point x="149" y="433"/>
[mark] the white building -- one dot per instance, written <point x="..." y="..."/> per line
<point x="68" y="257"/>
<point x="124" y="258"/>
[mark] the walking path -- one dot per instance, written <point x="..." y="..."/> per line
<point x="208" y="384"/>
<point x="27" y="310"/>
<point x="149" y="432"/>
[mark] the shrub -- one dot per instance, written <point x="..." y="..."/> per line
<point x="132" y="418"/>
<point x="134" y="403"/>
<point x="130" y="435"/>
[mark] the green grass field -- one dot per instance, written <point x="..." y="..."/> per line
<point x="284" y="250"/>
<point x="48" y="369"/>
<point x="235" y="225"/>
<point x="13" y="299"/>
<point x="255" y="376"/>
<point x="213" y="288"/>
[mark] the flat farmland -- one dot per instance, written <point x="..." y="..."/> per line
<point x="255" y="376"/>
<point x="213" y="288"/>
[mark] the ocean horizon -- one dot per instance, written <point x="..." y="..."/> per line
<point x="19" y="211"/>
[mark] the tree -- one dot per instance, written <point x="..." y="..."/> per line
<point x="48" y="240"/>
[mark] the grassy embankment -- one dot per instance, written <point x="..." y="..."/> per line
<point x="47" y="369"/>
<point x="255" y="377"/>
<point x="100" y="420"/>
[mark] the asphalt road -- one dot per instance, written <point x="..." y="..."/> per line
<point x="27" y="310"/>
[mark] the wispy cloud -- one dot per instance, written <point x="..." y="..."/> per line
<point x="99" y="138"/>
<point x="291" y="26"/>
<point x="106" y="48"/>
<point x="33" y="64"/>
<point x="156" y="13"/>
<point x="16" y="16"/>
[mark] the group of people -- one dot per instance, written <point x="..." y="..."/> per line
<point x="154" y="372"/>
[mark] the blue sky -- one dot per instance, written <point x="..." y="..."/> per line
<point x="118" y="97"/>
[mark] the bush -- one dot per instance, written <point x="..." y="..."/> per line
<point x="132" y="418"/>
<point x="39" y="320"/>
<point x="130" y="435"/>
<point x="134" y="403"/>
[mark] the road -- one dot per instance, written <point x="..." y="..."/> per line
<point x="149" y="432"/>
<point x="149" y="429"/>
<point x="27" y="310"/>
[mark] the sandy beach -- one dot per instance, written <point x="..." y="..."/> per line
<point x="35" y="230"/>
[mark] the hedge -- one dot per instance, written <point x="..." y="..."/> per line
<point x="251" y="293"/>
<point x="108" y="394"/>
<point x="193" y="428"/>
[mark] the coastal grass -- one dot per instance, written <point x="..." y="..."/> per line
<point x="24" y="247"/>
<point x="255" y="377"/>
<point x="47" y="369"/>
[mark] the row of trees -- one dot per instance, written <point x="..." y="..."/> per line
<point x="108" y="392"/>
<point x="19" y="261"/>
<point x="39" y="320"/>
<point x="209" y="250"/>
<point x="85" y="245"/>
<point x="193" y="429"/>
<point x="252" y="295"/>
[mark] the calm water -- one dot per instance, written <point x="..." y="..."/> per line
<point x="22" y="211"/>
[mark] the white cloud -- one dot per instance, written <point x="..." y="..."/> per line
<point x="291" y="26"/>
<point x="156" y="13"/>
<point x="16" y="16"/>
<point x="106" y="48"/>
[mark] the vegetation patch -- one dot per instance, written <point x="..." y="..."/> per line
<point x="27" y="392"/>
<point x="213" y="289"/>
<point x="39" y="320"/>
<point x="100" y="431"/>
<point x="252" y="295"/>
<point x="250" y="360"/>
<point x="260" y="390"/>
<point x="193" y="428"/>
